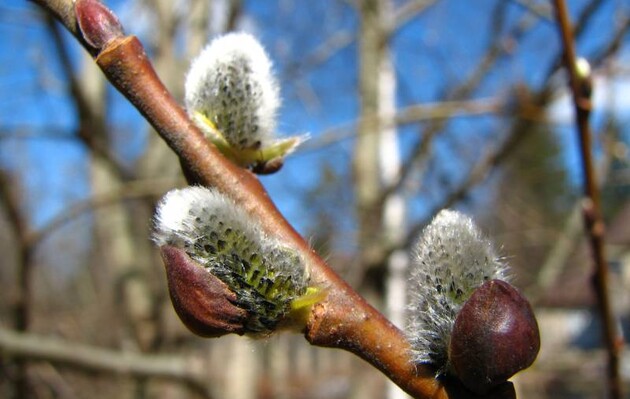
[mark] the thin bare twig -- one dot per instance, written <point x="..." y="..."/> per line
<point x="132" y="190"/>
<point x="463" y="90"/>
<point x="89" y="358"/>
<point x="592" y="208"/>
<point x="329" y="47"/>
<point x="495" y="156"/>
<point x="479" y="172"/>
<point x="342" y="39"/>
<point x="571" y="234"/>
<point x="407" y="12"/>
<point x="416" y="113"/>
<point x="541" y="10"/>
<point x="23" y="306"/>
<point x="91" y="129"/>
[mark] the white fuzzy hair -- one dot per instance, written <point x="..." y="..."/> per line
<point x="231" y="83"/>
<point x="452" y="258"/>
<point x="183" y="214"/>
<point x="227" y="241"/>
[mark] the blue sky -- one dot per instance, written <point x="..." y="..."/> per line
<point x="432" y="54"/>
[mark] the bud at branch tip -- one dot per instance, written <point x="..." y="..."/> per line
<point x="98" y="24"/>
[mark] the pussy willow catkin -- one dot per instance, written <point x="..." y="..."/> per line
<point x="266" y="276"/>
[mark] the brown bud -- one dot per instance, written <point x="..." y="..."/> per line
<point x="203" y="302"/>
<point x="268" y="167"/>
<point x="98" y="24"/>
<point x="495" y="335"/>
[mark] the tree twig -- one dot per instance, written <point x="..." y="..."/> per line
<point x="479" y="171"/>
<point x="465" y="89"/>
<point x="85" y="357"/>
<point x="571" y="234"/>
<point x="131" y="190"/>
<point x="23" y="306"/>
<point x="592" y="208"/>
<point x="415" y="113"/>
<point x="92" y="128"/>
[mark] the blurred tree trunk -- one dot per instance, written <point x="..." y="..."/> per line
<point x="121" y="251"/>
<point x="20" y="297"/>
<point x="366" y="163"/>
<point x="377" y="161"/>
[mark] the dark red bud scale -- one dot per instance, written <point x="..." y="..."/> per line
<point x="98" y="24"/>
<point x="495" y="335"/>
<point x="269" y="167"/>
<point x="204" y="303"/>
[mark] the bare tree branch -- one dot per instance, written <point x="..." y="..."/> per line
<point x="408" y="11"/>
<point x="409" y="115"/>
<point x="581" y="89"/>
<point x="422" y="147"/>
<point x="342" y="39"/>
<point x="466" y="88"/>
<point x="23" y="305"/>
<point x="131" y="190"/>
<point x="571" y="234"/>
<point x="91" y="124"/>
<point x="479" y="172"/>
<point x="334" y="43"/>
<point x="91" y="359"/>
<point x="542" y="10"/>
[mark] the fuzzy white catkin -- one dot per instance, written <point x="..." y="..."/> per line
<point x="265" y="275"/>
<point x="182" y="215"/>
<point x="232" y="85"/>
<point x="451" y="259"/>
<point x="190" y="217"/>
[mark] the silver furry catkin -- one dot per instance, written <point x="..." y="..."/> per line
<point x="266" y="276"/>
<point x="231" y="84"/>
<point x="452" y="258"/>
<point x="233" y="97"/>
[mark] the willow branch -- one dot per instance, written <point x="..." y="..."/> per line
<point x="579" y="85"/>
<point x="344" y="320"/>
